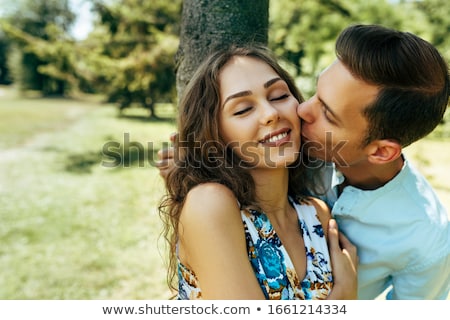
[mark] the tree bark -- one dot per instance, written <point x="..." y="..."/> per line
<point x="208" y="25"/>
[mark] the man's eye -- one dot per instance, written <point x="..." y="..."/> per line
<point x="242" y="111"/>
<point x="326" y="114"/>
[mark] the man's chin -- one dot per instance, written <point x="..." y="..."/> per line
<point x="313" y="162"/>
<point x="311" y="153"/>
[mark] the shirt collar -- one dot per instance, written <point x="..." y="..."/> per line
<point x="337" y="177"/>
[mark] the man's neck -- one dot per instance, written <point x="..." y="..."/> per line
<point x="369" y="176"/>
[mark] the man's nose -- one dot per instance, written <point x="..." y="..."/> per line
<point x="305" y="111"/>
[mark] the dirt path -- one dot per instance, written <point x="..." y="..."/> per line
<point x="23" y="131"/>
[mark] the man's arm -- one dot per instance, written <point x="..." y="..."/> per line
<point x="165" y="161"/>
<point x="429" y="283"/>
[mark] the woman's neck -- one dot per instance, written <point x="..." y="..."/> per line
<point x="271" y="189"/>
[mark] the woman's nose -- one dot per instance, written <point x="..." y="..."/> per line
<point x="270" y="114"/>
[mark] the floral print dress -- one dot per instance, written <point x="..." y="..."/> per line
<point x="270" y="261"/>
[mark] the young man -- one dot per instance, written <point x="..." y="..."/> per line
<point x="386" y="90"/>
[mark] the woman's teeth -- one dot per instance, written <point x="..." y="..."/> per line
<point x="276" y="138"/>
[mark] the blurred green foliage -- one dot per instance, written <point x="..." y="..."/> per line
<point x="37" y="59"/>
<point x="129" y="55"/>
<point x="304" y="33"/>
<point x="133" y="48"/>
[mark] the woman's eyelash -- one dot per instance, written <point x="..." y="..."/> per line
<point x="281" y="97"/>
<point x="242" y="111"/>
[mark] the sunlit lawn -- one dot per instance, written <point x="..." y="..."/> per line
<point x="74" y="229"/>
<point x="71" y="228"/>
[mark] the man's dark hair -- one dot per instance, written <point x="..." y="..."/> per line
<point x="412" y="77"/>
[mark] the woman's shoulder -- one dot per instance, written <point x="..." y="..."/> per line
<point x="210" y="192"/>
<point x="208" y="200"/>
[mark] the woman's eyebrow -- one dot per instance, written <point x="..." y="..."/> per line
<point x="249" y="92"/>
<point x="271" y="82"/>
<point x="237" y="95"/>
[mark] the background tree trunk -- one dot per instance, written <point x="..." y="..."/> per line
<point x="208" y="25"/>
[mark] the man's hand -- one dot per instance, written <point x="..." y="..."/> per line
<point x="165" y="161"/>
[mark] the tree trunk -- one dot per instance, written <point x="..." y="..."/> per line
<point x="207" y="25"/>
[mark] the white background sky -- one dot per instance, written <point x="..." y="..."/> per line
<point x="83" y="24"/>
<point x="81" y="8"/>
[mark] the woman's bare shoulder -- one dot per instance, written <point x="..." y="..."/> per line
<point x="210" y="200"/>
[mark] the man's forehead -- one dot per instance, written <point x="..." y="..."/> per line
<point x="326" y="69"/>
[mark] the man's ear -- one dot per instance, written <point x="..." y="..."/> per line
<point x="384" y="151"/>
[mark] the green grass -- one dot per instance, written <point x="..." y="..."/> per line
<point x="74" y="229"/>
<point x="71" y="228"/>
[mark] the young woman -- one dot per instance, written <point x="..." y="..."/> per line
<point x="238" y="227"/>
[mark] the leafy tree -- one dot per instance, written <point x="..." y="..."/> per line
<point x="303" y="35"/>
<point x="37" y="27"/>
<point x="438" y="16"/>
<point x="4" y="69"/>
<point x="133" y="52"/>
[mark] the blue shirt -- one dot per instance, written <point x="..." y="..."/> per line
<point x="402" y="234"/>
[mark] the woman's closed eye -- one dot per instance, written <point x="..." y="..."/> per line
<point x="281" y="97"/>
<point x="242" y="111"/>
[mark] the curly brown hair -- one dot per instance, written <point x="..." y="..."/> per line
<point x="202" y="156"/>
